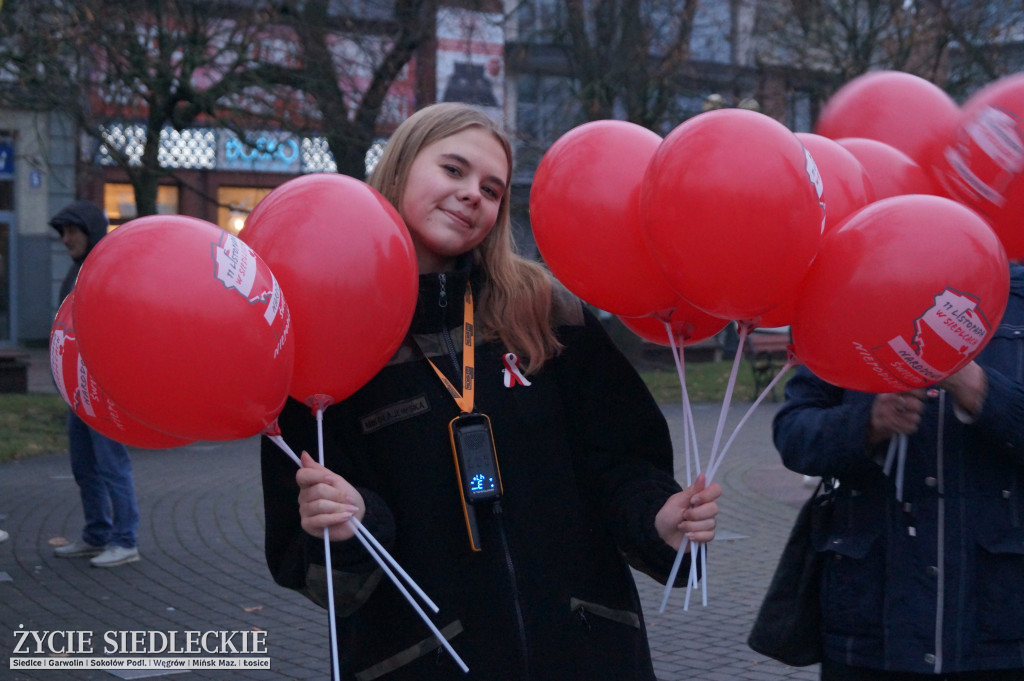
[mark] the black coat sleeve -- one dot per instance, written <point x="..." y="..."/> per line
<point x="295" y="558"/>
<point x="624" y="448"/>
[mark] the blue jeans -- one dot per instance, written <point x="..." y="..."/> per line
<point x="103" y="472"/>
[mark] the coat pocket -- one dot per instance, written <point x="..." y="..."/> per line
<point x="586" y="610"/>
<point x="854" y="575"/>
<point x="1000" y="584"/>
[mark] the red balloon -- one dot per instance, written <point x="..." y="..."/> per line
<point x="85" y="397"/>
<point x="981" y="164"/>
<point x="845" y="183"/>
<point x="733" y="212"/>
<point x="687" y="324"/>
<point x="900" y="109"/>
<point x="892" y="172"/>
<point x="585" y="214"/>
<point x="185" y="327"/>
<point x="346" y="262"/>
<point x="780" y="315"/>
<point x="846" y="188"/>
<point x="906" y="292"/>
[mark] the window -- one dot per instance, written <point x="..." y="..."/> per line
<point x="119" y="201"/>
<point x="235" y="204"/>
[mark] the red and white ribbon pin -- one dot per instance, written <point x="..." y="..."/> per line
<point x="511" y="371"/>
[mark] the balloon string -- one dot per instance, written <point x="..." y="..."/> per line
<point x="277" y="440"/>
<point x="901" y="463"/>
<point x="380" y="555"/>
<point x="760" y="398"/>
<point x="379" y="550"/>
<point x="897" y="453"/>
<point x="672" y="574"/>
<point x="419" y="611"/>
<point x="693" y="432"/>
<point x="716" y="459"/>
<point x="688" y="424"/>
<point x="744" y="329"/>
<point x="681" y="372"/>
<point x="890" y="456"/>
<point x="689" y="431"/>
<point x="327" y="561"/>
<point x="700" y="553"/>
<point x="704" y="569"/>
<point x="701" y="548"/>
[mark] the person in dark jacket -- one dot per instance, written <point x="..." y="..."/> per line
<point x="101" y="466"/>
<point x="924" y="580"/>
<point x="543" y="589"/>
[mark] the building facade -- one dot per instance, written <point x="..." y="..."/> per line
<point x="509" y="57"/>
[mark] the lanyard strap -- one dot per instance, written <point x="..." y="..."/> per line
<point x="465" y="398"/>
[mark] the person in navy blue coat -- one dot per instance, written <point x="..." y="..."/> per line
<point x="924" y="579"/>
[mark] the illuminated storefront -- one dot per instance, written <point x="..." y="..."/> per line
<point x="214" y="175"/>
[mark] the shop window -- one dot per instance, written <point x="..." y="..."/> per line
<point x="119" y="201"/>
<point x="235" y="204"/>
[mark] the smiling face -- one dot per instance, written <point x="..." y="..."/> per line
<point x="452" y="196"/>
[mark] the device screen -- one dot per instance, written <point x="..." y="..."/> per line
<point x="478" y="464"/>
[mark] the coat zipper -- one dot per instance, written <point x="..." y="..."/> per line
<point x="940" y="549"/>
<point x="520" y="622"/>
<point x="442" y="303"/>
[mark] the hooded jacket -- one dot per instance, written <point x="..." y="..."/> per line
<point x="935" y="583"/>
<point x="92" y="221"/>
<point x="585" y="460"/>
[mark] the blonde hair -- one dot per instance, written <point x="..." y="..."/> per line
<point x="516" y="305"/>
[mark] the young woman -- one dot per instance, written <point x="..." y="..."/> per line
<point x="521" y="526"/>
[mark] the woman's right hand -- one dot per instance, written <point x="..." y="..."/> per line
<point x="327" y="500"/>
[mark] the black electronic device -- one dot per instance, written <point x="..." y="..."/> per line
<point x="477" y="466"/>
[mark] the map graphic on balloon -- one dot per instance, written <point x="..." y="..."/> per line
<point x="945" y="336"/>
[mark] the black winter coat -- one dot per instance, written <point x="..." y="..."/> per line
<point x="93" y="222"/>
<point x="586" y="462"/>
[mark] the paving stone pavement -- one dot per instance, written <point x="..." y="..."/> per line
<point x="202" y="568"/>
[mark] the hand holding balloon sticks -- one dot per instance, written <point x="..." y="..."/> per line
<point x="684" y="325"/>
<point x="379" y="554"/>
<point x="677" y="342"/>
<point x="689" y="432"/>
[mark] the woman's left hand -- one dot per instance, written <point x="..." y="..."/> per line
<point x="689" y="514"/>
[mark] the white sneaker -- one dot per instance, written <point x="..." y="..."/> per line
<point x="78" y="549"/>
<point x="4" y="536"/>
<point x="114" y="556"/>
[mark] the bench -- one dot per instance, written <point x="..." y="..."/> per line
<point x="13" y="370"/>
<point x="766" y="351"/>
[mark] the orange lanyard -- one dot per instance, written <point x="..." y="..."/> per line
<point x="465" y="398"/>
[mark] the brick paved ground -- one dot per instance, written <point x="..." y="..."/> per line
<point x="202" y="568"/>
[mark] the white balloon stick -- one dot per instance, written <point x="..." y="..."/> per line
<point x="380" y="556"/>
